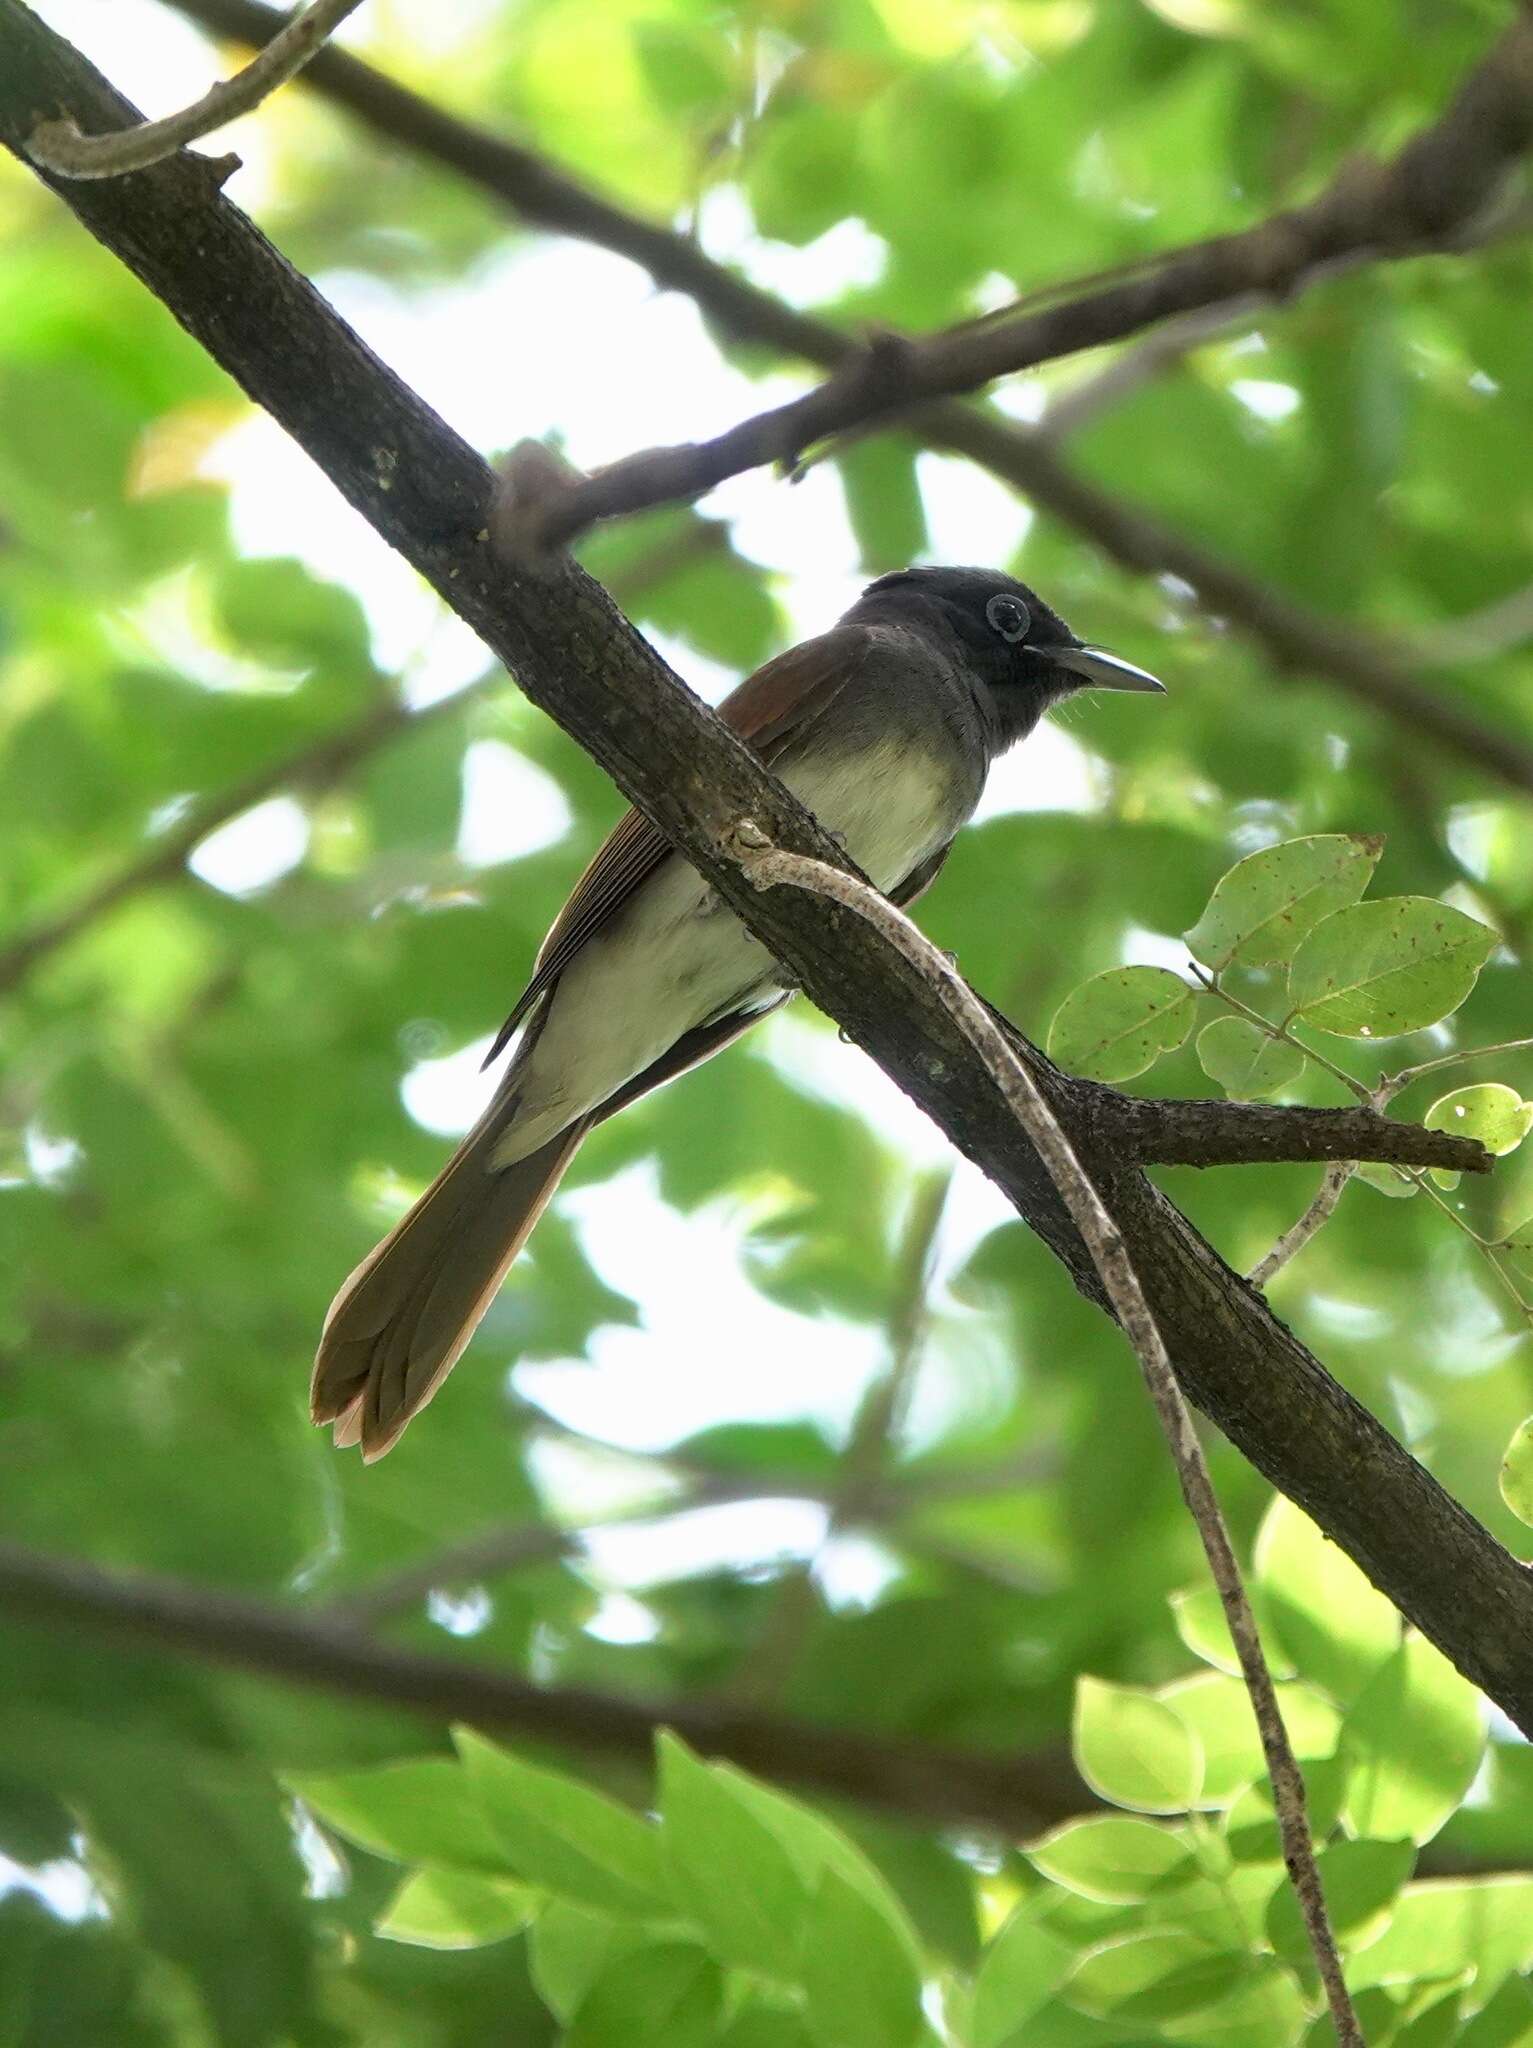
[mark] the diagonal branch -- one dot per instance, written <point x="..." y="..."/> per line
<point x="1377" y="674"/>
<point x="1332" y="1187"/>
<point x="578" y="658"/>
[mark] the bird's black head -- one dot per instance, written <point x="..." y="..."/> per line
<point x="1011" y="641"/>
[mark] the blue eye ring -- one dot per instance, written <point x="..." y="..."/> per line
<point x="1008" y="616"/>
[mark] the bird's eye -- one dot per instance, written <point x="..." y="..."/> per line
<point x="1009" y="616"/>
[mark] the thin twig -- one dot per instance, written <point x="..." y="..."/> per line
<point x="1077" y="405"/>
<point x="767" y="866"/>
<point x="1376" y="1099"/>
<point x="881" y="1414"/>
<point x="1165" y="348"/>
<point x="60" y="147"/>
<point x="514" y="1546"/>
<point x="1407" y="1075"/>
<point x="1280" y="1034"/>
<point x="164" y="859"/>
<point x="1298" y="1234"/>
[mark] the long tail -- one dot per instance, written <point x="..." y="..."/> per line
<point x="402" y="1320"/>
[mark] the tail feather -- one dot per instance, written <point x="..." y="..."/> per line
<point x="402" y="1320"/>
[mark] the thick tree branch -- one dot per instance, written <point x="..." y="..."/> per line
<point x="1014" y="1795"/>
<point x="1377" y="674"/>
<point x="1121" y="1130"/>
<point x="1010" y="1795"/>
<point x="577" y="657"/>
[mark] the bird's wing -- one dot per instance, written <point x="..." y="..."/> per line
<point x="770" y="709"/>
<point x="920" y="879"/>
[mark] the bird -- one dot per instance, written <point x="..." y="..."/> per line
<point x="885" y="727"/>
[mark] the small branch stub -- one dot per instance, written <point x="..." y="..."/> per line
<point x="532" y="483"/>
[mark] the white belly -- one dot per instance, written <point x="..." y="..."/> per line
<point x="679" y="957"/>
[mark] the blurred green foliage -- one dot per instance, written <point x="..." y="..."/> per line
<point x="1114" y="1928"/>
<point x="202" y="1125"/>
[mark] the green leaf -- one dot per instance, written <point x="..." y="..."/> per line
<point x="765" y="2026"/>
<point x="1433" y="2025"/>
<point x="1218" y="1710"/>
<point x="812" y="1842"/>
<point x="1269" y="901"/>
<point x="1335" y="1626"/>
<point x="1506" y="2022"/>
<point x="1250" y="1826"/>
<point x="1020" y="1971"/>
<point x="560" y="1834"/>
<point x="1119" y="1023"/>
<point x="1111" y="1857"/>
<point x="1444" y="1925"/>
<point x="455" y="1909"/>
<point x="1380" y="969"/>
<point x="275" y="610"/>
<point x="684" y="68"/>
<point x="1263" y="2009"/>
<point x="1246" y="1061"/>
<point x="754" y="1920"/>
<point x="1224" y="1906"/>
<point x="1415" y="1739"/>
<point x="665" y="1995"/>
<point x="570" y="1947"/>
<point x="1517" y="1472"/>
<point x="861" y="1971"/>
<point x="1156" y="1976"/>
<point x="1361" y="1881"/>
<point x="423" y="1811"/>
<point x="1135" y="1750"/>
<point x="1199" y="1616"/>
<point x="1489" y="1111"/>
